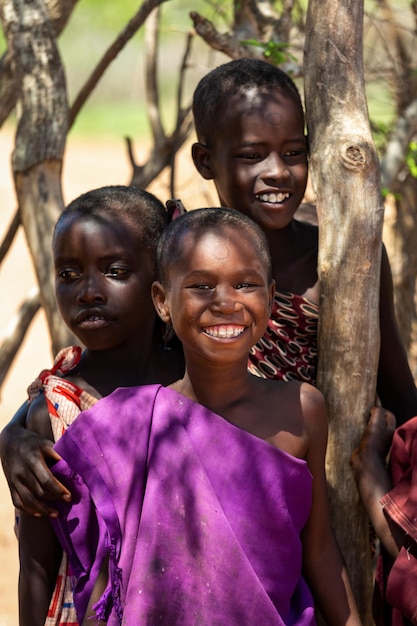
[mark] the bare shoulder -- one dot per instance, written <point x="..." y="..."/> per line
<point x="38" y="418"/>
<point x="309" y="397"/>
<point x="314" y="409"/>
<point x="294" y="415"/>
<point x="312" y="399"/>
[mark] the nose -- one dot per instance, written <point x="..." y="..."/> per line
<point x="90" y="290"/>
<point x="275" y="168"/>
<point x="226" y="300"/>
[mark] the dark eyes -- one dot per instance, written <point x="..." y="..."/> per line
<point x="116" y="272"/>
<point x="246" y="286"/>
<point x="289" y="156"/>
<point x="68" y="274"/>
<point x="238" y="286"/>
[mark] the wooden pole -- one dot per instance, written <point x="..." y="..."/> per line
<point x="345" y="177"/>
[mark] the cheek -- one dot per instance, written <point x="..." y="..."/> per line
<point x="300" y="174"/>
<point x="63" y="299"/>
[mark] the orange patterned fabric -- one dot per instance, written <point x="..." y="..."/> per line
<point x="65" y="401"/>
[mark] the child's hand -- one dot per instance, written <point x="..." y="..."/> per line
<point x="375" y="443"/>
<point x="24" y="457"/>
<point x="373" y="479"/>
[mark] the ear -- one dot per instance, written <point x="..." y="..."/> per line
<point x="271" y="295"/>
<point x="160" y="303"/>
<point x="201" y="158"/>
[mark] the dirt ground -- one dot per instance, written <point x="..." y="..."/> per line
<point x="88" y="164"/>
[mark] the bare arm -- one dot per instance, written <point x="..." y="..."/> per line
<point x="39" y="550"/>
<point x="395" y="385"/>
<point x="24" y="455"/>
<point x="323" y="565"/>
<point x="39" y="556"/>
<point x="373" y="478"/>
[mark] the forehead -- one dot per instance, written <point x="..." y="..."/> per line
<point x="219" y="245"/>
<point x="274" y="108"/>
<point x="76" y="232"/>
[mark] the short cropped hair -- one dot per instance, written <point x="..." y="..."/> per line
<point x="215" y="89"/>
<point x="140" y="210"/>
<point x="198" y="222"/>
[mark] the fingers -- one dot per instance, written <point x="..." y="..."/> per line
<point x="380" y="420"/>
<point x="33" y="485"/>
<point x="26" y="501"/>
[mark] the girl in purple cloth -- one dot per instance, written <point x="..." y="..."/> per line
<point x="192" y="517"/>
<point x="104" y="249"/>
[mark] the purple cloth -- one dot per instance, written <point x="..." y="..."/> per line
<point x="201" y="519"/>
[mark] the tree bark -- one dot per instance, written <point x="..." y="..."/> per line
<point x="345" y="176"/>
<point x="40" y="140"/>
<point x="59" y="13"/>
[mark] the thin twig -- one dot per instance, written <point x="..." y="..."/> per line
<point x="111" y="53"/>
<point x="10" y="235"/>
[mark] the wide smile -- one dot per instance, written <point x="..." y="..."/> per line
<point x="224" y="331"/>
<point x="272" y="198"/>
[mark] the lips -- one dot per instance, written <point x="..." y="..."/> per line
<point x="224" y="331"/>
<point x="91" y="319"/>
<point x="272" y="197"/>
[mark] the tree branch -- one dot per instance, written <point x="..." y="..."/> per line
<point x="111" y="53"/>
<point x="223" y="43"/>
<point x="393" y="160"/>
<point x="10" y="235"/>
<point x="165" y="146"/>
<point x="151" y="74"/>
<point x="16" y="332"/>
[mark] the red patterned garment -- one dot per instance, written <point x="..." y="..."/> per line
<point x="288" y="349"/>
<point x="65" y="401"/>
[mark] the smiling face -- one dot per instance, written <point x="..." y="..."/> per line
<point x="258" y="156"/>
<point x="102" y="281"/>
<point x="218" y="295"/>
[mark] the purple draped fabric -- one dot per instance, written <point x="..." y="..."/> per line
<point x="201" y="519"/>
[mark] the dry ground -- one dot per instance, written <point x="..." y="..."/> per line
<point x="88" y="164"/>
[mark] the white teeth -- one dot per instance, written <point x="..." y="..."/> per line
<point x="273" y="198"/>
<point x="224" y="332"/>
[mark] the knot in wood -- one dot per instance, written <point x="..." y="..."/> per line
<point x="354" y="156"/>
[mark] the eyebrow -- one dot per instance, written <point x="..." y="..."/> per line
<point x="248" y="271"/>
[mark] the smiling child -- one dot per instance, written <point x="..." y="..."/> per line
<point x="205" y="501"/>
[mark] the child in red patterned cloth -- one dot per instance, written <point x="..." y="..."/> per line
<point x="389" y="494"/>
<point x="251" y="142"/>
<point x="104" y="253"/>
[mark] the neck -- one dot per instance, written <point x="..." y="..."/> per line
<point x="281" y="240"/>
<point x="125" y="366"/>
<point x="219" y="388"/>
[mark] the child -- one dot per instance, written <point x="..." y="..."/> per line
<point x="104" y="254"/>
<point x="250" y="128"/>
<point x="192" y="517"/>
<point x="390" y="498"/>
